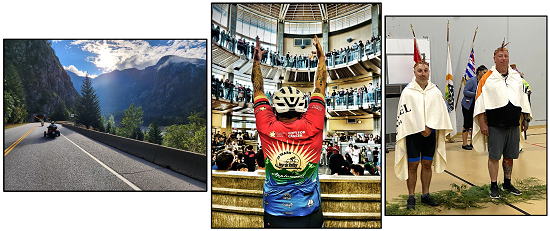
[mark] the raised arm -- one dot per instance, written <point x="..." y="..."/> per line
<point x="321" y="76"/>
<point x="257" y="78"/>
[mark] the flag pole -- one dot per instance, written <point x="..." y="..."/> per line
<point x="412" y="30"/>
<point x="447" y="30"/>
<point x="464" y="76"/>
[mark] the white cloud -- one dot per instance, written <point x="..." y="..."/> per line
<point x="75" y="70"/>
<point x="109" y="55"/>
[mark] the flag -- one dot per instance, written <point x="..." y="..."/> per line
<point x="449" y="91"/>
<point x="416" y="52"/>
<point x="470" y="68"/>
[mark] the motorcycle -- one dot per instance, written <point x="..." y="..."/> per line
<point x="52" y="132"/>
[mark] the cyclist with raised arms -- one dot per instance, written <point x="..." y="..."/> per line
<point x="291" y="137"/>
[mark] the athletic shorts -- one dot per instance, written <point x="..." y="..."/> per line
<point x="314" y="220"/>
<point x="468" y="117"/>
<point x="503" y="141"/>
<point x="418" y="145"/>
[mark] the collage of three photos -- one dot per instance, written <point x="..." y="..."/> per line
<point x="291" y="115"/>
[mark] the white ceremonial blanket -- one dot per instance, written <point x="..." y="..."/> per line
<point x="495" y="92"/>
<point x="418" y="108"/>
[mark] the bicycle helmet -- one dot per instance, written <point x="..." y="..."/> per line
<point x="289" y="98"/>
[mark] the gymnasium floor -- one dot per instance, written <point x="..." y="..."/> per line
<point x="472" y="167"/>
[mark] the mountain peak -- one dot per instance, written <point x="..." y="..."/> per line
<point x="166" y="60"/>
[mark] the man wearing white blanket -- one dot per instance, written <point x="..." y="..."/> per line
<point x="501" y="108"/>
<point x="422" y="124"/>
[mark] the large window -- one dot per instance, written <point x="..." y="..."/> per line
<point x="350" y="19"/>
<point x="219" y="14"/>
<point x="303" y="27"/>
<point x="250" y="24"/>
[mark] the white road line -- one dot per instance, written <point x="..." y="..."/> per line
<point x="107" y="167"/>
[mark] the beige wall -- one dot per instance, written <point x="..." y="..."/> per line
<point x="288" y="45"/>
<point x="338" y="41"/>
<point x="217" y="120"/>
<point x="340" y="124"/>
<point x="335" y="42"/>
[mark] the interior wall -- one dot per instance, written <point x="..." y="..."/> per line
<point x="339" y="41"/>
<point x="216" y="120"/>
<point x="335" y="41"/>
<point x="340" y="124"/>
<point x="527" y="49"/>
<point x="288" y="46"/>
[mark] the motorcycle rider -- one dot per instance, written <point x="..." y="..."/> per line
<point x="52" y="126"/>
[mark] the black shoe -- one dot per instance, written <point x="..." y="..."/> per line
<point x="411" y="203"/>
<point x="429" y="200"/>
<point x="493" y="193"/>
<point x="511" y="189"/>
<point x="471" y="146"/>
<point x="467" y="147"/>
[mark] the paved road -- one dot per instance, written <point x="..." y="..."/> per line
<point x="73" y="162"/>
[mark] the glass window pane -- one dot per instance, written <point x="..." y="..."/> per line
<point x="239" y="28"/>
<point x="260" y="32"/>
<point x="274" y="38"/>
<point x="246" y="29"/>
<point x="253" y="32"/>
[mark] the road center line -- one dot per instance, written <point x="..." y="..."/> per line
<point x="107" y="167"/>
<point x="12" y="146"/>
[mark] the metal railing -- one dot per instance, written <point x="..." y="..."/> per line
<point x="301" y="62"/>
<point x="357" y="99"/>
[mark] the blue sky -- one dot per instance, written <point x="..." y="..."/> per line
<point x="95" y="57"/>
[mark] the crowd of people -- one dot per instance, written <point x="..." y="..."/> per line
<point x="242" y="155"/>
<point x="307" y="60"/>
<point x="370" y="94"/>
<point x="228" y="90"/>
<point x="230" y="152"/>
<point x="354" y="96"/>
<point x="353" y="161"/>
<point x="357" y="138"/>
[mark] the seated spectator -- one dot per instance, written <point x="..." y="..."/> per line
<point x="348" y="159"/>
<point x="357" y="170"/>
<point x="370" y="167"/>
<point x="224" y="160"/>
<point x="338" y="166"/>
<point x="242" y="167"/>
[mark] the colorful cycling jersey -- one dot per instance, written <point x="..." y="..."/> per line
<point x="292" y="152"/>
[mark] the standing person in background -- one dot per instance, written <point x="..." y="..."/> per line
<point x="292" y="193"/>
<point x="355" y="154"/>
<point x="260" y="161"/>
<point x="249" y="158"/>
<point x="468" y="103"/>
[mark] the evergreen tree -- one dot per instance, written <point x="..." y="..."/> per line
<point x="137" y="134"/>
<point x="15" y="109"/>
<point x="155" y="135"/>
<point x="131" y="122"/>
<point x="189" y="137"/>
<point x="60" y="113"/>
<point x="88" y="112"/>
<point x="102" y="124"/>
<point x="111" y="128"/>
